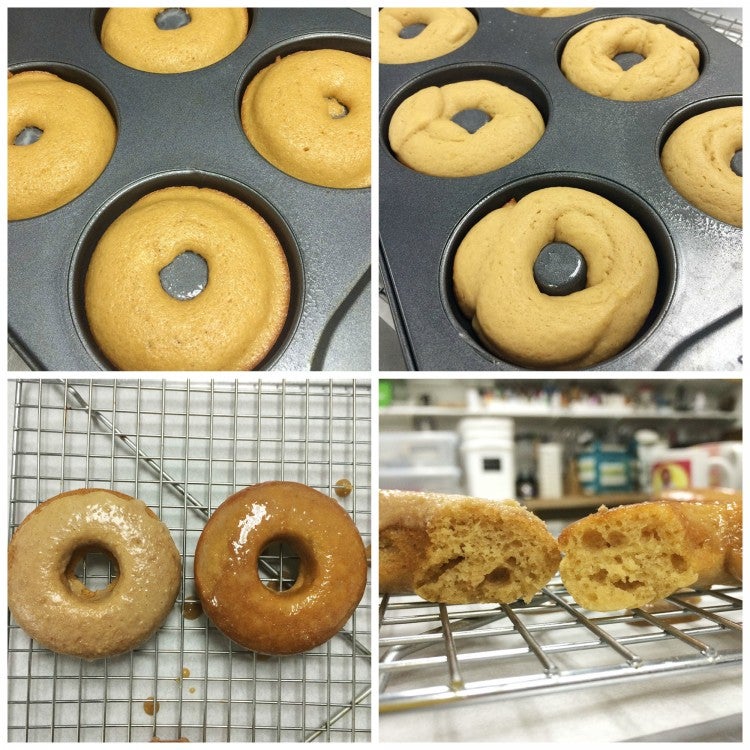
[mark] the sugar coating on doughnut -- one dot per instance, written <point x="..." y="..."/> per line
<point x="54" y="607"/>
<point x="697" y="157"/>
<point x="132" y="37"/>
<point x="231" y="325"/>
<point x="424" y="137"/>
<point x="494" y="280"/>
<point x="445" y="30"/>
<point x="670" y="61"/>
<point x="309" y="115"/>
<point x="549" y="12"/>
<point x="78" y="138"/>
<point x="329" y="585"/>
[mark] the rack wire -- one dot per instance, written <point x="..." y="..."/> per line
<point x="183" y="447"/>
<point x="434" y="654"/>
<point x="729" y="26"/>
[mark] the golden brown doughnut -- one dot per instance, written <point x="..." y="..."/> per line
<point x="670" y="61"/>
<point x="77" y="141"/>
<point x="309" y="115"/>
<point x="697" y="162"/>
<point x="445" y="30"/>
<point x="494" y="280"/>
<point x="131" y="36"/>
<point x="231" y="325"/>
<point x="461" y="550"/>
<point x="332" y="568"/>
<point x="54" y="607"/>
<point x="423" y="135"/>
<point x="632" y="555"/>
<point x="549" y="12"/>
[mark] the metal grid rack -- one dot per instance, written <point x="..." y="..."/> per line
<point x="434" y="654"/>
<point x="183" y="448"/>
<point x="719" y="20"/>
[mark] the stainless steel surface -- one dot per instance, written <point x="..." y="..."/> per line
<point x="433" y="655"/>
<point x="183" y="448"/>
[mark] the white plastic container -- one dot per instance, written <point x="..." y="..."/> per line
<point x="550" y="470"/>
<point x="424" y="448"/>
<point x="488" y="457"/>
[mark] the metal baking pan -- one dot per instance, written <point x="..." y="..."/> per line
<point x="609" y="147"/>
<point x="185" y="129"/>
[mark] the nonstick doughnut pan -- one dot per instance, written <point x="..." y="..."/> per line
<point x="609" y="147"/>
<point x="185" y="129"/>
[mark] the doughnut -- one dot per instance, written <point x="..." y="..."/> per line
<point x="494" y="280"/>
<point x="132" y="36"/>
<point x="308" y="114"/>
<point x="424" y="137"/>
<point x="77" y="139"/>
<point x="54" y="607"/>
<point x="445" y="30"/>
<point x="332" y="568"/>
<point x="697" y="162"/>
<point x="670" y="61"/>
<point x="462" y="550"/>
<point x="632" y="555"/>
<point x="231" y="325"/>
<point x="549" y="12"/>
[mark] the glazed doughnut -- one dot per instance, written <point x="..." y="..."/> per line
<point x="549" y="12"/>
<point x="629" y="556"/>
<point x="445" y="30"/>
<point x="670" y="61"/>
<point x="495" y="287"/>
<point x="132" y="36"/>
<point x="424" y="137"/>
<point x="231" y="325"/>
<point x="77" y="139"/>
<point x="332" y="568"/>
<point x="54" y="607"/>
<point x="697" y="162"/>
<point x="462" y="550"/>
<point x="309" y="115"/>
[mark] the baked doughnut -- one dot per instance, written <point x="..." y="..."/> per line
<point x="697" y="162"/>
<point x="231" y="325"/>
<point x="445" y="30"/>
<point x="309" y="115"/>
<point x="549" y="12"/>
<point x="54" y="607"/>
<point x="332" y="568"/>
<point x="670" y="61"/>
<point x="77" y="139"/>
<point x="495" y="287"/>
<point x="632" y="555"/>
<point x="132" y="36"/>
<point x="423" y="135"/>
<point x="462" y="550"/>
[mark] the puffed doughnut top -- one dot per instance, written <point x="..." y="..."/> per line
<point x="494" y="279"/>
<point x="332" y="568"/>
<point x="52" y="605"/>
<point x="77" y="140"/>
<point x="445" y="30"/>
<point x="309" y="115"/>
<point x="132" y="36"/>
<point x="424" y="137"/>
<point x="231" y="325"/>
<point x="697" y="161"/>
<point x="670" y="61"/>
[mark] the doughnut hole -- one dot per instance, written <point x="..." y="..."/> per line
<point x="469" y="119"/>
<point x="91" y="572"/>
<point x="30" y="134"/>
<point x="123" y="200"/>
<point x="279" y="565"/>
<point x="412" y="30"/>
<point x="185" y="277"/>
<point x="633" y="204"/>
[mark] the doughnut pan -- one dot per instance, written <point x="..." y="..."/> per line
<point x="185" y="129"/>
<point x="605" y="146"/>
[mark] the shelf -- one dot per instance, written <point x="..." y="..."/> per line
<point x="586" y="501"/>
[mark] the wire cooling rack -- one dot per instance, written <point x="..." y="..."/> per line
<point x="436" y="654"/>
<point x="183" y="448"/>
<point x="720" y="20"/>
